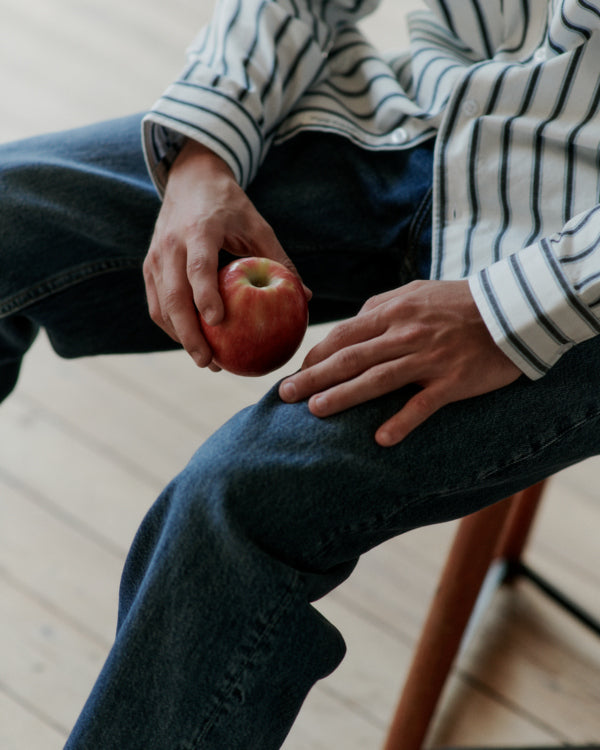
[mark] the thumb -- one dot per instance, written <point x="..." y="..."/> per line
<point x="202" y="274"/>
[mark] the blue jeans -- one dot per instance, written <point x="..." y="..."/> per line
<point x="217" y="642"/>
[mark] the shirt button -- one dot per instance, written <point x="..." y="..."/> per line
<point x="399" y="135"/>
<point x="470" y="107"/>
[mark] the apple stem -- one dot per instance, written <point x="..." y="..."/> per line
<point x="259" y="281"/>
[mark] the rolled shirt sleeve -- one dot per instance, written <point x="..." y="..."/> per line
<point x="544" y="299"/>
<point x="244" y="73"/>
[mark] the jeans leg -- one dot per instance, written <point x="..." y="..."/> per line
<point x="77" y="211"/>
<point x="217" y="641"/>
<point x="16" y="334"/>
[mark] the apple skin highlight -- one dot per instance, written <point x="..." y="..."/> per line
<point x="266" y="316"/>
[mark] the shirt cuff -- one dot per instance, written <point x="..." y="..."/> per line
<point x="213" y="117"/>
<point x="531" y="310"/>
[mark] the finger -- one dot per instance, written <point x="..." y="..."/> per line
<point x="416" y="411"/>
<point x="344" y="335"/>
<point x="177" y="305"/>
<point x="202" y="268"/>
<point x="154" y="308"/>
<point x="342" y="367"/>
<point x="376" y="381"/>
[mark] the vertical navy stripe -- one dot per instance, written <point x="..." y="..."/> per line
<point x="228" y="34"/>
<point x="444" y="139"/>
<point x="535" y="193"/>
<point x="485" y="37"/>
<point x="447" y="17"/>
<point x="472" y="178"/>
<point x="568" y="208"/>
<point x="506" y="157"/>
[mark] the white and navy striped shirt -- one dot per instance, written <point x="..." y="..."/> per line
<point x="511" y="89"/>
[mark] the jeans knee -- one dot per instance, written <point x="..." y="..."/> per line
<point x="242" y="497"/>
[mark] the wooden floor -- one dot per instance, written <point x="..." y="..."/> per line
<point x="85" y="446"/>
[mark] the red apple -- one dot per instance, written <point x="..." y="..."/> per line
<point x="266" y="316"/>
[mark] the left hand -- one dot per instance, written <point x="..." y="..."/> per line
<point x="428" y="333"/>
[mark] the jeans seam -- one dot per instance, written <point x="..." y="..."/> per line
<point x="62" y="281"/>
<point x="420" y="217"/>
<point x="408" y="251"/>
<point x="383" y="518"/>
<point x="525" y="456"/>
<point x="224" y="698"/>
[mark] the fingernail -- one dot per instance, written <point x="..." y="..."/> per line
<point x="200" y="358"/>
<point x="318" y="403"/>
<point x="288" y="391"/>
<point x="209" y="315"/>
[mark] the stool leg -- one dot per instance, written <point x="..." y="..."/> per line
<point x="470" y="556"/>
<point x="519" y="522"/>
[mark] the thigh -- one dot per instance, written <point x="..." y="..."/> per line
<point x="316" y="494"/>
<point x="73" y="204"/>
<point x="77" y="211"/>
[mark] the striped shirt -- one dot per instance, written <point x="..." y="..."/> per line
<point x="509" y="88"/>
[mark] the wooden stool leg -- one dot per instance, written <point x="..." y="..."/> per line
<point x="519" y="522"/>
<point x="470" y="556"/>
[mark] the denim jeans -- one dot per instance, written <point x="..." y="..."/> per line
<point x="217" y="642"/>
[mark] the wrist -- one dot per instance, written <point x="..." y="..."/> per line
<point x="194" y="152"/>
<point x="195" y="165"/>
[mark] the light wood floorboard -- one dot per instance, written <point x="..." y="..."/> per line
<point x="86" y="445"/>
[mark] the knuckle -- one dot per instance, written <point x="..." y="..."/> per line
<point x="171" y="300"/>
<point x="153" y="307"/>
<point x="197" y="265"/>
<point x="372" y="303"/>
<point x="151" y="261"/>
<point x="168" y="243"/>
<point x="349" y="360"/>
<point x="155" y="314"/>
<point x="147" y="268"/>
<point x="409" y="335"/>
<point x="384" y="379"/>
<point x="424" y="403"/>
<point x="338" y="336"/>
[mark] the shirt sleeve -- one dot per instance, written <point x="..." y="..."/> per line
<point x="544" y="299"/>
<point x="244" y="73"/>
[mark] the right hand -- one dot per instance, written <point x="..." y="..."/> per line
<point x="204" y="210"/>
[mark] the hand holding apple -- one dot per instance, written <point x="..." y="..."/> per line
<point x="266" y="316"/>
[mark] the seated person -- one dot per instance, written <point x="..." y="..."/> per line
<point x="441" y="204"/>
